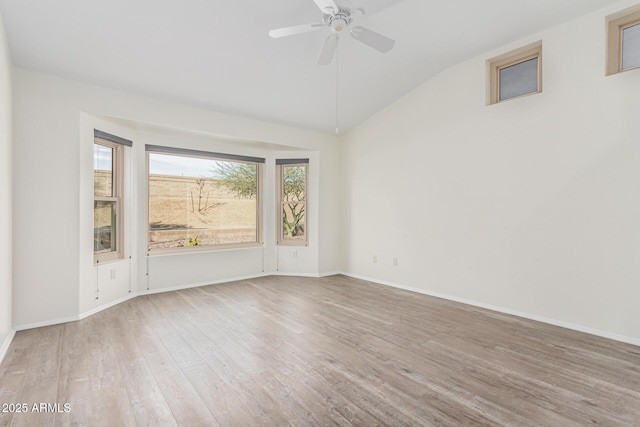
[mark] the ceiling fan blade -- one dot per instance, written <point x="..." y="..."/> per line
<point x="328" y="50"/>
<point x="370" y="7"/>
<point x="373" y="39"/>
<point x="297" y="29"/>
<point x="327" y="6"/>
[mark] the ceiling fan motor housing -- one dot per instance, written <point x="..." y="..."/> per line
<point x="339" y="20"/>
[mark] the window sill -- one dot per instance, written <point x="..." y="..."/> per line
<point x="526" y="95"/>
<point x="623" y="71"/>
<point x="190" y="250"/>
<point x="293" y="243"/>
<point x="108" y="261"/>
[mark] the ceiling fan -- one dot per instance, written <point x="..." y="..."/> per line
<point x="338" y="20"/>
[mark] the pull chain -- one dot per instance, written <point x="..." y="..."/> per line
<point x="337" y="86"/>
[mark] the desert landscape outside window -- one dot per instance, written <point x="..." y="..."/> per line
<point x="201" y="200"/>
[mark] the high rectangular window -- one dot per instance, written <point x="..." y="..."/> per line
<point x="519" y="79"/>
<point x="515" y="74"/>
<point x="623" y="41"/>
<point x="201" y="200"/>
<point x="107" y="200"/>
<point x="631" y="47"/>
<point x="292" y="206"/>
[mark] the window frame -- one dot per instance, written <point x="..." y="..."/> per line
<point x="280" y="240"/>
<point x="180" y="152"/>
<point x="616" y="24"/>
<point x="117" y="167"/>
<point x="514" y="57"/>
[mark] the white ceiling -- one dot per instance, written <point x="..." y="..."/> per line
<point x="218" y="55"/>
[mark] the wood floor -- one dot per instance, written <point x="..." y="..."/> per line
<point x="298" y="351"/>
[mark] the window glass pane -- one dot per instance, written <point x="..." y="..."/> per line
<point x="631" y="47"/>
<point x="294" y="182"/>
<point x="104" y="226"/>
<point x="197" y="201"/>
<point x="293" y="221"/>
<point x="102" y="171"/>
<point x="519" y="79"/>
<point x="293" y="196"/>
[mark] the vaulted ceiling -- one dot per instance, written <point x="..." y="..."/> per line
<point x="218" y="55"/>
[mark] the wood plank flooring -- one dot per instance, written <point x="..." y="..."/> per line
<point x="280" y="351"/>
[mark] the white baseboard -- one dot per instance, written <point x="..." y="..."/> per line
<point x="280" y="273"/>
<point x="107" y="305"/>
<point x="197" y="285"/>
<point x="95" y="310"/>
<point x="46" y="323"/>
<point x="5" y="345"/>
<point x="567" y="325"/>
<point x="314" y="275"/>
<point x="554" y="322"/>
<point x="75" y="318"/>
<point x="330" y="273"/>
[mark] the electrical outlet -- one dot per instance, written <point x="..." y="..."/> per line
<point x="395" y="262"/>
<point x="113" y="273"/>
<point x="375" y="259"/>
<point x="294" y="254"/>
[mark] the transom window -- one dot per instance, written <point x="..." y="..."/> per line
<point x="515" y="74"/>
<point x="200" y="200"/>
<point x="623" y="41"/>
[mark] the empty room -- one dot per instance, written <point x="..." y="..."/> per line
<point x="320" y="212"/>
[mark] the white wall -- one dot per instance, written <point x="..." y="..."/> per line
<point x="531" y="205"/>
<point x="53" y="123"/>
<point x="5" y="193"/>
